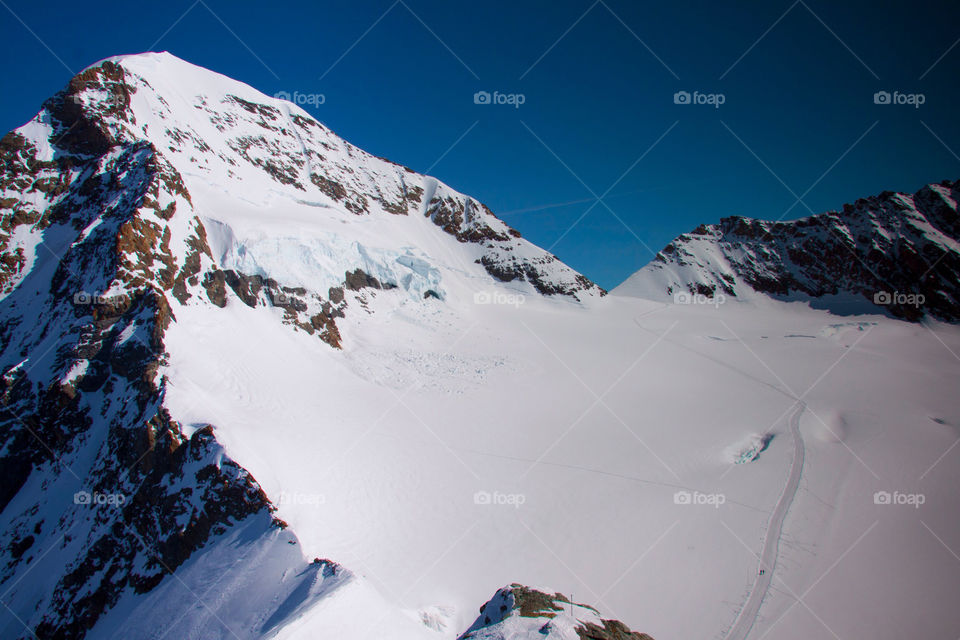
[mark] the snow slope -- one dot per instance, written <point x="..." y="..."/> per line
<point x="474" y="413"/>
<point x="147" y="190"/>
<point x="454" y="405"/>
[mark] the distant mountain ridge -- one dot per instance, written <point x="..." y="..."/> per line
<point x="897" y="253"/>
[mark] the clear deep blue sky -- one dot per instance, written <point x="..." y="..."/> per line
<point x="796" y="103"/>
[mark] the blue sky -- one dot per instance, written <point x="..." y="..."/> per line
<point x="598" y="79"/>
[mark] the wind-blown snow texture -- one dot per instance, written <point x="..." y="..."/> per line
<point x="232" y="344"/>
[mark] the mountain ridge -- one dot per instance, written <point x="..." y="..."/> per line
<point x="104" y="241"/>
<point x="151" y="198"/>
<point x="894" y="252"/>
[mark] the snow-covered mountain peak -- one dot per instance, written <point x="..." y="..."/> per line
<point x="897" y="253"/>
<point x="215" y="368"/>
<point x="280" y="185"/>
<point x="151" y="198"/>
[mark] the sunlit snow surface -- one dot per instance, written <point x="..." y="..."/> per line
<point x="460" y="443"/>
<point x="596" y="418"/>
<point x="579" y="425"/>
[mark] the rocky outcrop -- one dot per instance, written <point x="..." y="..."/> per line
<point x="896" y="253"/>
<point x="82" y="334"/>
<point x="518" y="612"/>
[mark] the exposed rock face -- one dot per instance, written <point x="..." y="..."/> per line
<point x="102" y="244"/>
<point x="356" y="280"/>
<point x="896" y="250"/>
<point x="129" y="494"/>
<point x="519" y="612"/>
<point x="505" y="256"/>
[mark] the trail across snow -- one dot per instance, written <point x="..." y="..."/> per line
<point x="771" y="541"/>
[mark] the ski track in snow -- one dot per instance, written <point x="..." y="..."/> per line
<point x="750" y="610"/>
<point x="771" y="541"/>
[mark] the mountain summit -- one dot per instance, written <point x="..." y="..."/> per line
<point x="195" y="137"/>
<point x="146" y="188"/>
